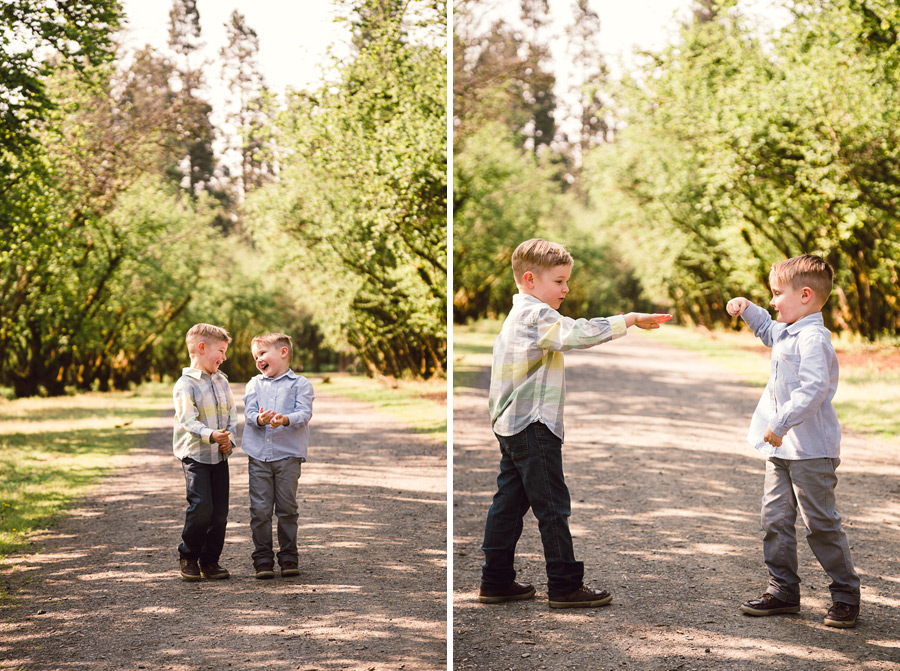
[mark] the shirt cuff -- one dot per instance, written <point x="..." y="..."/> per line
<point x="617" y="326"/>
<point x="777" y="428"/>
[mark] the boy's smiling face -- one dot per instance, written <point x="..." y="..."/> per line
<point x="549" y="284"/>
<point x="211" y="355"/>
<point x="271" y="361"/>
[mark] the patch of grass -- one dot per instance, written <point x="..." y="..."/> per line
<point x="421" y="405"/>
<point x="53" y="449"/>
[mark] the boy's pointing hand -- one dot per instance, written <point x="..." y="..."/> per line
<point x="646" y="321"/>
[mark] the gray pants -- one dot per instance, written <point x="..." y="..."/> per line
<point x="273" y="487"/>
<point x="807" y="485"/>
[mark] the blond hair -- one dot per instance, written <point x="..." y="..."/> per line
<point x="536" y="255"/>
<point x="275" y="340"/>
<point x="204" y="333"/>
<point x="808" y="270"/>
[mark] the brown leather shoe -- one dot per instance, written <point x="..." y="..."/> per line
<point x="583" y="597"/>
<point x="264" y="570"/>
<point x="289" y="569"/>
<point x="214" y="571"/>
<point x="190" y="570"/>
<point x="842" y="615"/>
<point x="514" y="591"/>
<point x="768" y="604"/>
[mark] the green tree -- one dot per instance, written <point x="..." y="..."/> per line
<point x="359" y="211"/>
<point x="498" y="75"/>
<point x="500" y="195"/>
<point x="740" y="152"/>
<point x="78" y="34"/>
<point x="249" y="107"/>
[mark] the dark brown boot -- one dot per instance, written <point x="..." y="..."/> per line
<point x="190" y="570"/>
<point x="213" y="571"/>
<point x="769" y="604"/>
<point x="264" y="570"/>
<point x="583" y="597"/>
<point x="842" y="615"/>
<point x="514" y="591"/>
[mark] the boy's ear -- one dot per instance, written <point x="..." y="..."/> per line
<point x="201" y="347"/>
<point x="806" y="295"/>
<point x="528" y="279"/>
<point x="284" y="352"/>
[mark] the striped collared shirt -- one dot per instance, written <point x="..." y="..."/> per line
<point x="528" y="377"/>
<point x="288" y="394"/>
<point x="203" y="404"/>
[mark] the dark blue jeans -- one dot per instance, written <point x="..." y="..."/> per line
<point x="531" y="476"/>
<point x="206" y="516"/>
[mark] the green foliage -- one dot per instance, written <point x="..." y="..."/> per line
<point x="504" y="196"/>
<point x="357" y="220"/>
<point x="499" y="76"/>
<point x="740" y="152"/>
<point x="94" y="268"/>
<point x="77" y="33"/>
<point x="515" y="173"/>
<point x="119" y="229"/>
<point x="500" y="194"/>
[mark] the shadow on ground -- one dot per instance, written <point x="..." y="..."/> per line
<point x="103" y="592"/>
<point x="666" y="497"/>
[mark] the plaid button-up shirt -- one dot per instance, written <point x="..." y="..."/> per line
<point x="203" y="404"/>
<point x="528" y="377"/>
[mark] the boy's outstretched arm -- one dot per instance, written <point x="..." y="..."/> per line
<point x="644" y="320"/>
<point x="756" y="317"/>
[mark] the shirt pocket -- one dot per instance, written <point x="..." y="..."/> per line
<point x="787" y="368"/>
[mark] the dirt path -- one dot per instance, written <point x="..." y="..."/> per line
<point x="666" y="496"/>
<point x="104" y="591"/>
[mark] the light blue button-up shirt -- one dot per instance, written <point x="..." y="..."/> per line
<point x="803" y="380"/>
<point x="288" y="394"/>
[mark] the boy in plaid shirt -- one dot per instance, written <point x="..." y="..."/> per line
<point x="205" y="425"/>
<point x="526" y="402"/>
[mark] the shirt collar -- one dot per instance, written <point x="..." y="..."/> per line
<point x="808" y="320"/>
<point x="290" y="374"/>
<point x="197" y="374"/>
<point x="527" y="298"/>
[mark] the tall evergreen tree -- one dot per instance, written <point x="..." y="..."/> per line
<point x="248" y="107"/>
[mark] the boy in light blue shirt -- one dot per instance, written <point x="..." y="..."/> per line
<point x="796" y="427"/>
<point x="277" y="407"/>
